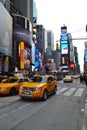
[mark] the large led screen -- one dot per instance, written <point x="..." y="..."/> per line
<point x="64" y="48"/>
<point x="85" y="55"/>
<point x="5" y="31"/>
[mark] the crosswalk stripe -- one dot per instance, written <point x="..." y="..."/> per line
<point x="58" y="88"/>
<point x="69" y="92"/>
<point x="61" y="90"/>
<point x="79" y="92"/>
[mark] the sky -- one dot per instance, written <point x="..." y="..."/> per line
<point x="53" y="14"/>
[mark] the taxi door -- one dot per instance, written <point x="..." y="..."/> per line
<point x="50" y="84"/>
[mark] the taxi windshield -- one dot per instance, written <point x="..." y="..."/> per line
<point x="10" y="80"/>
<point x="38" y="79"/>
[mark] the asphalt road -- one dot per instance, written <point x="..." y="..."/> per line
<point x="64" y="111"/>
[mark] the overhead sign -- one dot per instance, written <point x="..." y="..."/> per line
<point x="34" y="19"/>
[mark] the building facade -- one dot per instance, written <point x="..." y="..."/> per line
<point x="19" y="35"/>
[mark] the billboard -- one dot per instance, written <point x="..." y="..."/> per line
<point x="86" y="55"/>
<point x="64" y="48"/>
<point x="63" y="29"/>
<point x="5" y="31"/>
<point x="64" y="37"/>
<point x="21" y="34"/>
<point x="38" y="60"/>
<point x="21" y="54"/>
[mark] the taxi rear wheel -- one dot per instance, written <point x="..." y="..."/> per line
<point x="12" y="92"/>
<point x="45" y="95"/>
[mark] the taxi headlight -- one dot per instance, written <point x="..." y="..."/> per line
<point x="35" y="89"/>
<point x="21" y="88"/>
<point x="3" y="88"/>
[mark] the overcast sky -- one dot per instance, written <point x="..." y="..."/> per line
<point x="55" y="13"/>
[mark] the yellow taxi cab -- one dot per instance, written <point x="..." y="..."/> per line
<point x="11" y="85"/>
<point x="68" y="78"/>
<point x="39" y="87"/>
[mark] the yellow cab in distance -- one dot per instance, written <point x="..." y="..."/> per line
<point x="39" y="87"/>
<point x="11" y="85"/>
<point x="68" y="78"/>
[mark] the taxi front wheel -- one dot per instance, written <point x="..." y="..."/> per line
<point x="45" y="95"/>
<point x="12" y="92"/>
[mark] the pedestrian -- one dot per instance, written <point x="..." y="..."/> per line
<point x="85" y="79"/>
<point x="81" y="78"/>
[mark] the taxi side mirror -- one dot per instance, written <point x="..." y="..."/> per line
<point x="49" y="81"/>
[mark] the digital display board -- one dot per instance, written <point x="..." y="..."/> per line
<point x="85" y="55"/>
<point x="37" y="58"/>
<point x="64" y="48"/>
<point x="64" y="37"/>
<point x="63" y="29"/>
<point x="21" y="34"/>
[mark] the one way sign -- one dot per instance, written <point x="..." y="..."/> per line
<point x="34" y="20"/>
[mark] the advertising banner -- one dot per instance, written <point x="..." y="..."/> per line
<point x="64" y="48"/>
<point x="21" y="55"/>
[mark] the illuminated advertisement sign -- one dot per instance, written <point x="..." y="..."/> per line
<point x="37" y="58"/>
<point x="86" y="55"/>
<point x="72" y="66"/>
<point x="21" y="54"/>
<point x="64" y="37"/>
<point x="64" y="48"/>
<point x="21" y="34"/>
<point x="63" y="29"/>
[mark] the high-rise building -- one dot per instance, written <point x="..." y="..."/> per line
<point x="50" y="39"/>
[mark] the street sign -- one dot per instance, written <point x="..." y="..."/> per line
<point x="34" y="20"/>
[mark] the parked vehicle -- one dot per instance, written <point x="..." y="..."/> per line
<point x="39" y="88"/>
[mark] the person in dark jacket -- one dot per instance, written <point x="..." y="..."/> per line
<point x="85" y="79"/>
<point x="81" y="77"/>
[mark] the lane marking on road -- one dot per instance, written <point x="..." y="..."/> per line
<point x="79" y="92"/>
<point x="58" y="88"/>
<point x="69" y="92"/>
<point x="23" y="106"/>
<point x="85" y="116"/>
<point x="2" y="116"/>
<point x="61" y="90"/>
<point x="84" y="125"/>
